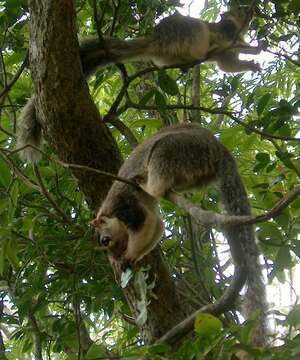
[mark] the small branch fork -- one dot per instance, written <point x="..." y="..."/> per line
<point x="117" y="110"/>
<point x="225" y="303"/>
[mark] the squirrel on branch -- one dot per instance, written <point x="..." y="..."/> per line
<point x="180" y="158"/>
<point x="177" y="40"/>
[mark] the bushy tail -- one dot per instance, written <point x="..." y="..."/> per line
<point x="95" y="54"/>
<point x="236" y="202"/>
<point x="29" y="132"/>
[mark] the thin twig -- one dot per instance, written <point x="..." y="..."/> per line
<point x="97" y="22"/>
<point x="19" y="173"/>
<point x="16" y="77"/>
<point x="124" y="130"/>
<point x="50" y="197"/>
<point x="214" y="111"/>
<point x="79" y="167"/>
<point x="287" y="57"/>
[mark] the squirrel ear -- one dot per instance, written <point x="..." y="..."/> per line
<point x="100" y="220"/>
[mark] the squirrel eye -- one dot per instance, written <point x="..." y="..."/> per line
<point x="104" y="241"/>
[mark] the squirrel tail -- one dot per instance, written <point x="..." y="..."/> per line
<point x="95" y="53"/>
<point x="29" y="133"/>
<point x="235" y="200"/>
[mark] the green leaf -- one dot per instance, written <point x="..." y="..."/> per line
<point x="262" y="103"/>
<point x="296" y="249"/>
<point x="263" y="160"/>
<point x="263" y="157"/>
<point x="4" y="242"/>
<point x="96" y="351"/>
<point x="166" y="83"/>
<point x="294" y="7"/>
<point x="207" y="325"/>
<point x="5" y="176"/>
<point x="11" y="253"/>
<point x="160" y="100"/>
<point x="14" y="194"/>
<point x="293" y="317"/>
<point x="283" y="259"/>
<point x="270" y="231"/>
<point x="235" y="83"/>
<point x="159" y="348"/>
<point x="147" y="97"/>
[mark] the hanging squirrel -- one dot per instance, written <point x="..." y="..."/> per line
<point x="176" y="41"/>
<point x="179" y="158"/>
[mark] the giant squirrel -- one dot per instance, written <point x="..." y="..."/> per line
<point x="178" y="158"/>
<point x="176" y="41"/>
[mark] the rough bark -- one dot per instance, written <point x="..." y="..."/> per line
<point x="75" y="131"/>
<point x="72" y="124"/>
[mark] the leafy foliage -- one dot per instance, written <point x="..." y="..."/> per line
<point x="55" y="285"/>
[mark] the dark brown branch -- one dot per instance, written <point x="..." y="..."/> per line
<point x="124" y="130"/>
<point x="16" y="77"/>
<point x="217" y="111"/>
<point x="97" y="22"/>
<point x="79" y="167"/>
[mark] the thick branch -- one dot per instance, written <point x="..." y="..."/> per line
<point x="70" y="119"/>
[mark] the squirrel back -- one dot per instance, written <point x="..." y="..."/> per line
<point x="176" y="41"/>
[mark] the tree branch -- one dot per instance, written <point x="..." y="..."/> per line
<point x="124" y="130"/>
<point x="225" y="303"/>
<point x="217" y="111"/>
<point x="49" y="197"/>
<point x="16" y="77"/>
<point x="78" y="167"/>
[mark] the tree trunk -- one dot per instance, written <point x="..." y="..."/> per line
<point x="73" y="128"/>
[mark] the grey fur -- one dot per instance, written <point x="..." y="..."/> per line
<point x="29" y="132"/>
<point x="176" y="40"/>
<point x="179" y="158"/>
